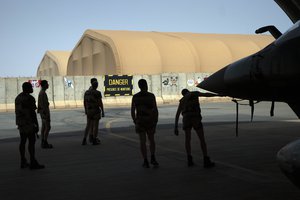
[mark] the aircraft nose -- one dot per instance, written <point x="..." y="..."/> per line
<point x="288" y="159"/>
<point x="215" y="83"/>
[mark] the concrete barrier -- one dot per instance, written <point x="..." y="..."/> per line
<point x="68" y="91"/>
<point x="12" y="86"/>
<point x="2" y="95"/>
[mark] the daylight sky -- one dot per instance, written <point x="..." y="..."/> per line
<point x="28" y="28"/>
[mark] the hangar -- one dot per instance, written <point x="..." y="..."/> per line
<point x="104" y="52"/>
<point x="54" y="63"/>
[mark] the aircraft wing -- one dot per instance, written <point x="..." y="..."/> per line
<point x="291" y="8"/>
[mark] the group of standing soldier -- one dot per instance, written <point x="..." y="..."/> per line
<point x="26" y="120"/>
<point x="144" y="114"/>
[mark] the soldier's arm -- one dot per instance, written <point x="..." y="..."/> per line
<point x="101" y="106"/>
<point x="85" y="103"/>
<point x="18" y="111"/>
<point x="155" y="109"/>
<point x="33" y="113"/>
<point x="42" y="102"/>
<point x="133" y="116"/>
<point x="179" y="110"/>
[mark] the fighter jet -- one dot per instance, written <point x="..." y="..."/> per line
<point x="272" y="74"/>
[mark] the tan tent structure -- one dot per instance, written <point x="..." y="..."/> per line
<point x="54" y="63"/>
<point x="100" y="52"/>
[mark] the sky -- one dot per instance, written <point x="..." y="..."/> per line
<point x="28" y="28"/>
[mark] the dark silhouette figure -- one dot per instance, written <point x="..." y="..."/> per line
<point x="94" y="109"/>
<point x="43" y="109"/>
<point x="144" y="114"/>
<point x="88" y="121"/>
<point x="189" y="107"/>
<point x="28" y="126"/>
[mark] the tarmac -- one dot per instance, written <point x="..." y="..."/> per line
<point x="246" y="166"/>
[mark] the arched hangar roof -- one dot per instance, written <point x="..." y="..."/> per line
<point x="54" y="63"/>
<point x="138" y="52"/>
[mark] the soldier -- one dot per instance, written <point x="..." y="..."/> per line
<point x="43" y="109"/>
<point x="88" y="122"/>
<point x="144" y="114"/>
<point x="189" y="107"/>
<point x="94" y="109"/>
<point x="28" y="126"/>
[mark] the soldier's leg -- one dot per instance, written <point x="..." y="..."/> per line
<point x="43" y="131"/>
<point x="188" y="141"/>
<point x="140" y="130"/>
<point x="87" y="127"/>
<point x="143" y="148"/>
<point x="86" y="131"/>
<point x="152" y="147"/>
<point x="31" y="146"/>
<point x="200" y="134"/>
<point x="188" y="133"/>
<point x="95" y="125"/>
<point x="23" y="138"/>
<point x="206" y="160"/>
<point x="47" y="128"/>
<point x="187" y="127"/>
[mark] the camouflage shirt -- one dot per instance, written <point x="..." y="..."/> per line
<point x="146" y="108"/>
<point x="43" y="105"/>
<point x="25" y="109"/>
<point x="190" y="105"/>
<point x="92" y="100"/>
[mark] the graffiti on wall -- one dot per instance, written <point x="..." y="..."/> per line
<point x="68" y="83"/>
<point x="169" y="81"/>
<point x="195" y="82"/>
<point x="35" y="83"/>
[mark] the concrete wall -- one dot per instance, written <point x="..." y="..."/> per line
<point x="68" y="91"/>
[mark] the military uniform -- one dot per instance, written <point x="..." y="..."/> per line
<point x="43" y="106"/>
<point x="189" y="107"/>
<point x="92" y="101"/>
<point x="28" y="126"/>
<point x="43" y="109"/>
<point x="191" y="112"/>
<point x="146" y="112"/>
<point x="145" y="115"/>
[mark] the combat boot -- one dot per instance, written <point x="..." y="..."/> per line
<point x="190" y="161"/>
<point x="35" y="165"/>
<point x="153" y="161"/>
<point x="146" y="163"/>
<point x="84" y="142"/>
<point x="207" y="163"/>
<point x="96" y="141"/>
<point x="91" y="138"/>
<point x="24" y="164"/>
<point x="45" y="145"/>
<point x="42" y="143"/>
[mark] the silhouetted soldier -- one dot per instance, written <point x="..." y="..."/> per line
<point x="88" y="121"/>
<point x="145" y="116"/>
<point x="43" y="109"/>
<point x="28" y="126"/>
<point x="93" y="108"/>
<point x="189" y="107"/>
